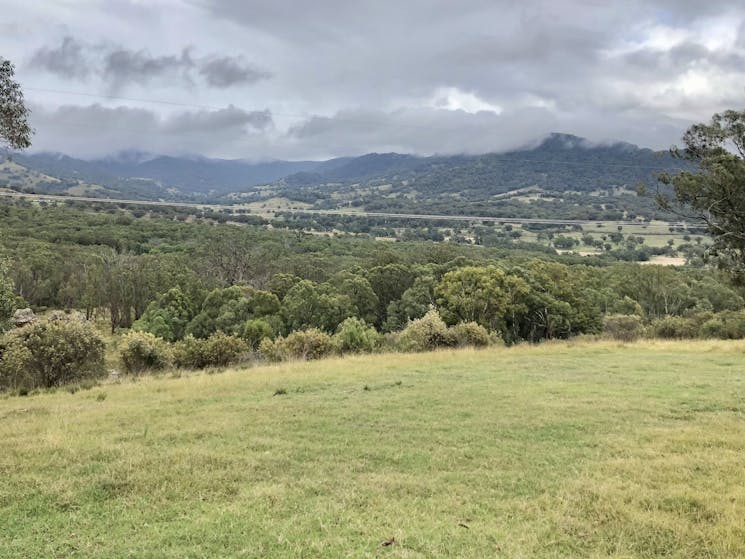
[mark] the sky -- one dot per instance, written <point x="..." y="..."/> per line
<point x="263" y="79"/>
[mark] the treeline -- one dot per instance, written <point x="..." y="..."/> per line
<point x="118" y="265"/>
<point x="202" y="294"/>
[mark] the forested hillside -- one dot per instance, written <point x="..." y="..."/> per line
<point x="563" y="176"/>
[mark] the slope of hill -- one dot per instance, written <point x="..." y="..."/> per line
<point x="560" y="163"/>
<point x="563" y="173"/>
<point x="143" y="176"/>
<point x="560" y="450"/>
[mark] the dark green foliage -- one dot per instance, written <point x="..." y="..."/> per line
<point x="50" y="353"/>
<point x="355" y="336"/>
<point x="256" y="330"/>
<point x="7" y="297"/>
<point x="281" y="283"/>
<point x="143" y="351"/>
<point x="15" y="131"/>
<point x="228" y="309"/>
<point x="560" y="302"/>
<point x="414" y="303"/>
<point x="167" y="316"/>
<point x="727" y="325"/>
<point x="715" y="191"/>
<point x="310" y="305"/>
<point x="360" y="293"/>
<point x="676" y="328"/>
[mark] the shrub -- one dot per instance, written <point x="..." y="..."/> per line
<point x="303" y="344"/>
<point x="218" y="350"/>
<point x="623" y="327"/>
<point x="143" y="351"/>
<point x="308" y="344"/>
<point x="675" y="327"/>
<point x="426" y="333"/>
<point x="221" y="350"/>
<point x="188" y="353"/>
<point x="355" y="336"/>
<point x="50" y="353"/>
<point x="272" y="350"/>
<point x="469" y="334"/>
<point x="256" y="330"/>
<point x="714" y="328"/>
<point x="727" y="325"/>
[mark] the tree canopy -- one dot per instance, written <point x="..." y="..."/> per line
<point x="15" y="131"/>
<point x="715" y="191"/>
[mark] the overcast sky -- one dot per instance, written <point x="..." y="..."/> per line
<point x="288" y="79"/>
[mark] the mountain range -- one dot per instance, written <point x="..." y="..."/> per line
<point x="558" y="164"/>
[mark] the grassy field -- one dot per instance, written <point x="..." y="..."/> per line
<point x="562" y="450"/>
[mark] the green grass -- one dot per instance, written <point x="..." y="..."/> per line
<point x="562" y="450"/>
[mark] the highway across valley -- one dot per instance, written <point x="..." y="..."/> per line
<point x="342" y="212"/>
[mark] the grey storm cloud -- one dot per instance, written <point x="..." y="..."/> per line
<point x="96" y="130"/>
<point x="122" y="66"/>
<point x="226" y="71"/>
<point x="68" y="59"/>
<point x="205" y="121"/>
<point x="673" y="61"/>
<point x="118" y="65"/>
<point x="425" y="76"/>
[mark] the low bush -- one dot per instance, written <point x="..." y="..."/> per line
<point x="623" y="327"/>
<point x="727" y="325"/>
<point x="187" y="353"/>
<point x="221" y="349"/>
<point x="470" y="334"/>
<point x="218" y="350"/>
<point x="675" y="327"/>
<point x="50" y="353"/>
<point x="356" y="336"/>
<point x="143" y="351"/>
<point x="303" y="344"/>
<point x="426" y="333"/>
<point x="256" y="330"/>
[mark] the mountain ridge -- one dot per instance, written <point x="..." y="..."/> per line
<point x="557" y="162"/>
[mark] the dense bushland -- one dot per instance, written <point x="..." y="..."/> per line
<point x="199" y="294"/>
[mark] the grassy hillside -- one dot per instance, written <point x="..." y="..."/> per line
<point x="562" y="450"/>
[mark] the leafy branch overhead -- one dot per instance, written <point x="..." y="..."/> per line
<point x="15" y="131"/>
<point x="715" y="191"/>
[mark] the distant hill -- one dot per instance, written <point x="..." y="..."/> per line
<point x="560" y="173"/>
<point x="153" y="177"/>
<point x="560" y="162"/>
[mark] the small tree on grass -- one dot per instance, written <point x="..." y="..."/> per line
<point x="143" y="351"/>
<point x="355" y="336"/>
<point x="50" y="353"/>
<point x="426" y="333"/>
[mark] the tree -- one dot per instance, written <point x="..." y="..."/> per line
<point x="714" y="192"/>
<point x="15" y="131"/>
<point x="7" y="297"/>
<point x="485" y="295"/>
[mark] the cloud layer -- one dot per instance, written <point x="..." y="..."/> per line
<point x="336" y="77"/>
<point x="119" y="66"/>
